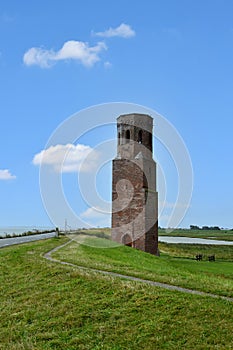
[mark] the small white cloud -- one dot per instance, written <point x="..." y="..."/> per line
<point x="6" y="175"/>
<point x="71" y="50"/>
<point x="123" y="31"/>
<point x="97" y="217"/>
<point x="37" y="56"/>
<point x="93" y="213"/>
<point x="107" y="65"/>
<point x="68" y="158"/>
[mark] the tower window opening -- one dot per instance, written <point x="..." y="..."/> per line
<point x="150" y="140"/>
<point x="119" y="138"/>
<point x="127" y="136"/>
<point x="127" y="240"/>
<point x="140" y="136"/>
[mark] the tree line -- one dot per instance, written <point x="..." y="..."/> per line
<point x="213" y="228"/>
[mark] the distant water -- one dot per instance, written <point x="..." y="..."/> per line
<point x="21" y="229"/>
<point x="189" y="240"/>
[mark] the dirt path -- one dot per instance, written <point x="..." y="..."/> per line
<point x="114" y="274"/>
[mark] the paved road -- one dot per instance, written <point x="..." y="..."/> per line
<point x="17" y="240"/>
<point x="48" y="256"/>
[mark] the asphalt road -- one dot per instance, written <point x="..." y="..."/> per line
<point x="17" y="240"/>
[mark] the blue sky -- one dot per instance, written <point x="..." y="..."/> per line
<point x="60" y="57"/>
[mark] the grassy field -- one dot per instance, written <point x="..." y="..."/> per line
<point x="45" y="305"/>
<point x="176" y="264"/>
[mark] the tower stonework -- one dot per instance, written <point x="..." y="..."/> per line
<point x="134" y="195"/>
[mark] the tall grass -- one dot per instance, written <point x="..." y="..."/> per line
<point x="46" y="306"/>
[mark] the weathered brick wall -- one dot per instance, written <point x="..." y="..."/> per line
<point x="134" y="196"/>
<point x="134" y="206"/>
<point x="127" y="191"/>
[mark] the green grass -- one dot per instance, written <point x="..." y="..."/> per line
<point x="45" y="305"/>
<point x="222" y="253"/>
<point x="176" y="264"/>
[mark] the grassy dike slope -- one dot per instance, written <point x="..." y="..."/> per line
<point x="175" y="266"/>
<point x="46" y="305"/>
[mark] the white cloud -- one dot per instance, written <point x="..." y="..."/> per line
<point x="107" y="65"/>
<point x="39" y="57"/>
<point x="93" y="213"/>
<point x="6" y="175"/>
<point x="68" y="158"/>
<point x="71" y="50"/>
<point x="97" y="217"/>
<point x="123" y="31"/>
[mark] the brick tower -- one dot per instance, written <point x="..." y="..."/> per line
<point x="134" y="196"/>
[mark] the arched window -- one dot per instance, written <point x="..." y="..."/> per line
<point x="119" y="138"/>
<point x="127" y="136"/>
<point x="127" y="240"/>
<point x="140" y="136"/>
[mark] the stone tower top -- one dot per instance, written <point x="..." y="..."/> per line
<point x="134" y="133"/>
<point x="136" y="119"/>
